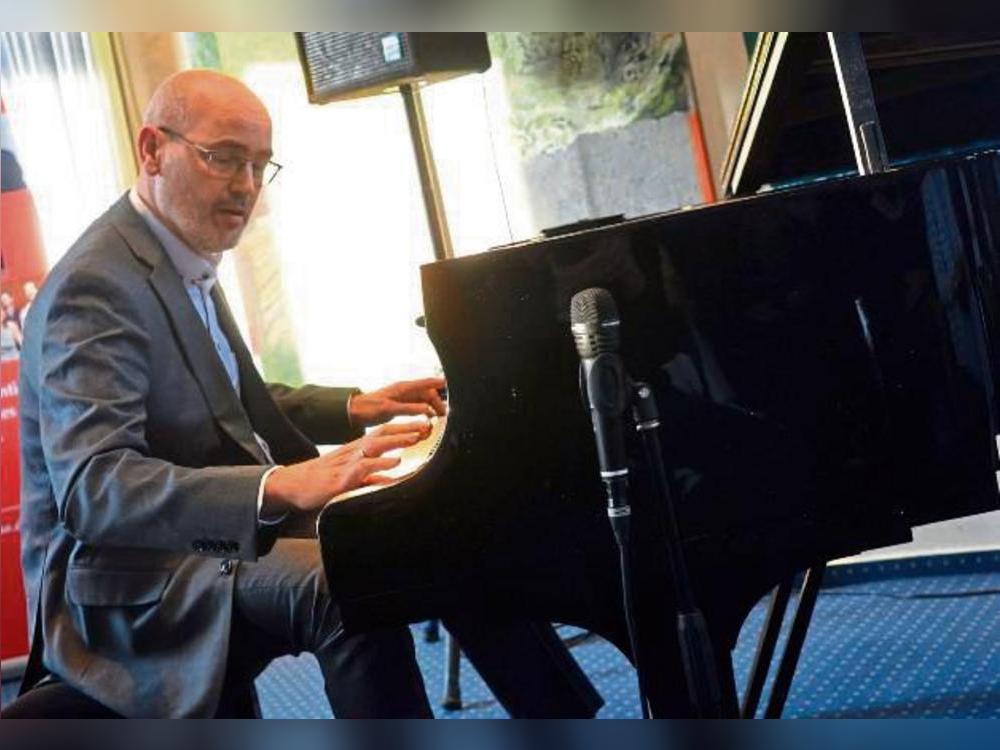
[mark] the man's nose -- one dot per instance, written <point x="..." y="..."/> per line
<point x="243" y="179"/>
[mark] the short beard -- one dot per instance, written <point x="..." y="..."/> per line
<point x="187" y="221"/>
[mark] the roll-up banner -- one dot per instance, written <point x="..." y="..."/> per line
<point x="22" y="268"/>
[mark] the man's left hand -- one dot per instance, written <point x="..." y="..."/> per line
<point x="406" y="399"/>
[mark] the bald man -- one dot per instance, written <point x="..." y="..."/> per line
<point x="157" y="466"/>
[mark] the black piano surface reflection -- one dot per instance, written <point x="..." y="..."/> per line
<point x="825" y="360"/>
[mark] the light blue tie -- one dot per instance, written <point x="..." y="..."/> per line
<point x="205" y="306"/>
<point x="206" y="310"/>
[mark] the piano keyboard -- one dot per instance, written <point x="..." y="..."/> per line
<point x="411" y="460"/>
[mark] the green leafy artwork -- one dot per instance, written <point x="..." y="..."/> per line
<point x="564" y="84"/>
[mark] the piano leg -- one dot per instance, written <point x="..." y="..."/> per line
<point x="765" y="648"/>
<point x="796" y="638"/>
<point x="526" y="666"/>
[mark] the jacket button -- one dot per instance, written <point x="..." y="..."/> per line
<point x="226" y="568"/>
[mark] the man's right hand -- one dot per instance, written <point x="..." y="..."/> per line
<point x="310" y="484"/>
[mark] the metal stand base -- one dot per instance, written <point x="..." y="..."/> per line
<point x="452" y="698"/>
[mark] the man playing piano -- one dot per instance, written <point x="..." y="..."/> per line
<point x="158" y="467"/>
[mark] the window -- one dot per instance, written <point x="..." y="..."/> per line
<point x="329" y="268"/>
<point x="564" y="127"/>
<point x="66" y="128"/>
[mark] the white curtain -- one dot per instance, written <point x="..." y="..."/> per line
<point x="63" y="123"/>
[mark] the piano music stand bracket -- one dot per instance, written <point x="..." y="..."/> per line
<point x="859" y="101"/>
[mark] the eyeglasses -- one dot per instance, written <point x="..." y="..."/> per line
<point x="226" y="164"/>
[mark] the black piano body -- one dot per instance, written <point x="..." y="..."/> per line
<point x="826" y="362"/>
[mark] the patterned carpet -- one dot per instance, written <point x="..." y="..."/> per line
<point x="914" y="638"/>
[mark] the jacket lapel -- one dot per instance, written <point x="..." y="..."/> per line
<point x="287" y="443"/>
<point x="190" y="332"/>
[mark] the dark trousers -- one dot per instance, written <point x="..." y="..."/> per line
<point x="282" y="606"/>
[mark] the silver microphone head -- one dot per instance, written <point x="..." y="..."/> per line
<point x="594" y="321"/>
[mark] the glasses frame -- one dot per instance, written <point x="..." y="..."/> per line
<point x="210" y="156"/>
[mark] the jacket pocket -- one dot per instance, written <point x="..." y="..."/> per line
<point x="115" y="588"/>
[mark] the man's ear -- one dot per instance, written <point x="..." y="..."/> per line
<point x="148" y="145"/>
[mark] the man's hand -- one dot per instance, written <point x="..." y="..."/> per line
<point x="409" y="398"/>
<point x="310" y="484"/>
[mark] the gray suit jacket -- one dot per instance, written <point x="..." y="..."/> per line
<point x="140" y="473"/>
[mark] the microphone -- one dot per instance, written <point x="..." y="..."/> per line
<point x="596" y="330"/>
<point x="595" y="326"/>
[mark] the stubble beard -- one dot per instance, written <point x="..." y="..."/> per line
<point x="195" y="223"/>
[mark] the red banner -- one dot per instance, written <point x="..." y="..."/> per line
<point x="13" y="623"/>
<point x="22" y="267"/>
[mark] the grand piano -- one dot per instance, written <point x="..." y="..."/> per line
<point x="824" y="347"/>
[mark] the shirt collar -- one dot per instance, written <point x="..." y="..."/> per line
<point x="193" y="267"/>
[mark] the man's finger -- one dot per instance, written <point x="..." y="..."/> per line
<point x="379" y="463"/>
<point x="402" y="409"/>
<point x="412" y="390"/>
<point x="376" y="446"/>
<point x="422" y="384"/>
<point x="436" y="402"/>
<point x="379" y="479"/>
<point x="420" y="426"/>
<point x="343" y="453"/>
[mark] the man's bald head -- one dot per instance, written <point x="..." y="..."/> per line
<point x="184" y="98"/>
<point x="203" y="148"/>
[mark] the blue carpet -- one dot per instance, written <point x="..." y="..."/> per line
<point x="915" y="638"/>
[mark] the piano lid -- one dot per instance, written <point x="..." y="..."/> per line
<point x="936" y="92"/>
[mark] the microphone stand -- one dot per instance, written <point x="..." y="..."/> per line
<point x="698" y="656"/>
<point x="620" y="517"/>
<point x="621" y="526"/>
